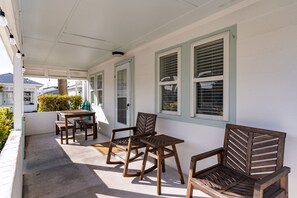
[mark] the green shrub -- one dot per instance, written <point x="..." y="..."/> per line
<point x="6" y="120"/>
<point x="58" y="102"/>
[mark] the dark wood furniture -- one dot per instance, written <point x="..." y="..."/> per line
<point x="86" y="124"/>
<point x="145" y="126"/>
<point x="74" y="114"/>
<point x="156" y="148"/>
<point x="60" y="122"/>
<point x="60" y="127"/>
<point x="249" y="165"/>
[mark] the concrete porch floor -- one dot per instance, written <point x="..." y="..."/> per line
<point x="79" y="170"/>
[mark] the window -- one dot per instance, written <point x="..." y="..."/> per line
<point x="210" y="69"/>
<point x="8" y="98"/>
<point x="100" y="89"/>
<point x="96" y="89"/>
<point x="28" y="97"/>
<point x="92" y="93"/>
<point x="169" y="82"/>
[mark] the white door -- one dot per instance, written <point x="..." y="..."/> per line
<point x="123" y="100"/>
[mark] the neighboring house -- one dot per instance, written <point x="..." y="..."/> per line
<point x="73" y="90"/>
<point x="30" y="92"/>
<point x="76" y="89"/>
<point x="49" y="90"/>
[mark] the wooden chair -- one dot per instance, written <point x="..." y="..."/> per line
<point x="59" y="123"/>
<point x="249" y="165"/>
<point x="60" y="127"/>
<point x="86" y="124"/>
<point x="145" y="126"/>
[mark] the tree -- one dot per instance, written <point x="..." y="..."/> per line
<point x="62" y="87"/>
<point x="1" y="88"/>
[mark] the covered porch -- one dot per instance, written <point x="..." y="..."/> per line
<point x="77" y="43"/>
<point x="79" y="170"/>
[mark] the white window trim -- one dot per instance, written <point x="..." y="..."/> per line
<point x="92" y="90"/>
<point x="97" y="89"/>
<point x="177" y="81"/>
<point x="224" y="77"/>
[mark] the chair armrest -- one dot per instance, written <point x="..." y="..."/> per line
<point x="201" y="156"/>
<point x="123" y="129"/>
<point x="272" y="178"/>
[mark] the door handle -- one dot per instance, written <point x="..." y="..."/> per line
<point x="128" y="105"/>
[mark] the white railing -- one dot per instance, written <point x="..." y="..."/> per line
<point x="11" y="166"/>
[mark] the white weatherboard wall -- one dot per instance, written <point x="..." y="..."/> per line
<point x="40" y="122"/>
<point x="266" y="78"/>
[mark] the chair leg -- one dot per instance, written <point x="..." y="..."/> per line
<point x="191" y="174"/>
<point x="61" y="136"/>
<point x="144" y="163"/>
<point x="189" y="190"/>
<point x="284" y="184"/>
<point x="109" y="153"/>
<point x="57" y="130"/>
<point x="73" y="133"/>
<point x="127" y="161"/>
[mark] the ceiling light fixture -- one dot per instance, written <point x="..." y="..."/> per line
<point x="12" y="39"/>
<point x="3" y="21"/>
<point x="118" y="54"/>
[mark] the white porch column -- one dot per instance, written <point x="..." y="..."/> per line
<point x="84" y="90"/>
<point x="18" y="92"/>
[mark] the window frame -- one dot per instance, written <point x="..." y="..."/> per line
<point x="31" y="97"/>
<point x="92" y="90"/>
<point x="224" y="77"/>
<point x="101" y="89"/>
<point x="95" y="89"/>
<point x="177" y="82"/>
<point x="8" y="95"/>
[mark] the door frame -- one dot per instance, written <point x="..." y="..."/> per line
<point x="131" y="86"/>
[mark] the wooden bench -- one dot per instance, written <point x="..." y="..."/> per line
<point x="60" y="127"/>
<point x="249" y="165"/>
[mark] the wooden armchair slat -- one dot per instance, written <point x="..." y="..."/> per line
<point x="145" y="126"/>
<point x="249" y="165"/>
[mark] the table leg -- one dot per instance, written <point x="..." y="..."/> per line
<point x="66" y="129"/>
<point x="163" y="161"/>
<point x="159" y="161"/>
<point x="178" y="165"/>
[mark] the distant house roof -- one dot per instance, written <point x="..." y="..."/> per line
<point x="8" y="78"/>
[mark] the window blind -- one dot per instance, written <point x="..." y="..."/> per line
<point x="209" y="98"/>
<point x="99" y="82"/>
<point x="209" y="59"/>
<point x="209" y="62"/>
<point x="168" y="67"/>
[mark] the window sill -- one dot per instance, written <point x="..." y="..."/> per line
<point x="194" y="120"/>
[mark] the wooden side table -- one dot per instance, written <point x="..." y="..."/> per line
<point x="156" y="148"/>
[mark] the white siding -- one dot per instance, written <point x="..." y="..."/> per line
<point x="266" y="78"/>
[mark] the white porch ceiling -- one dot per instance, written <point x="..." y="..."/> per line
<point x="78" y="34"/>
